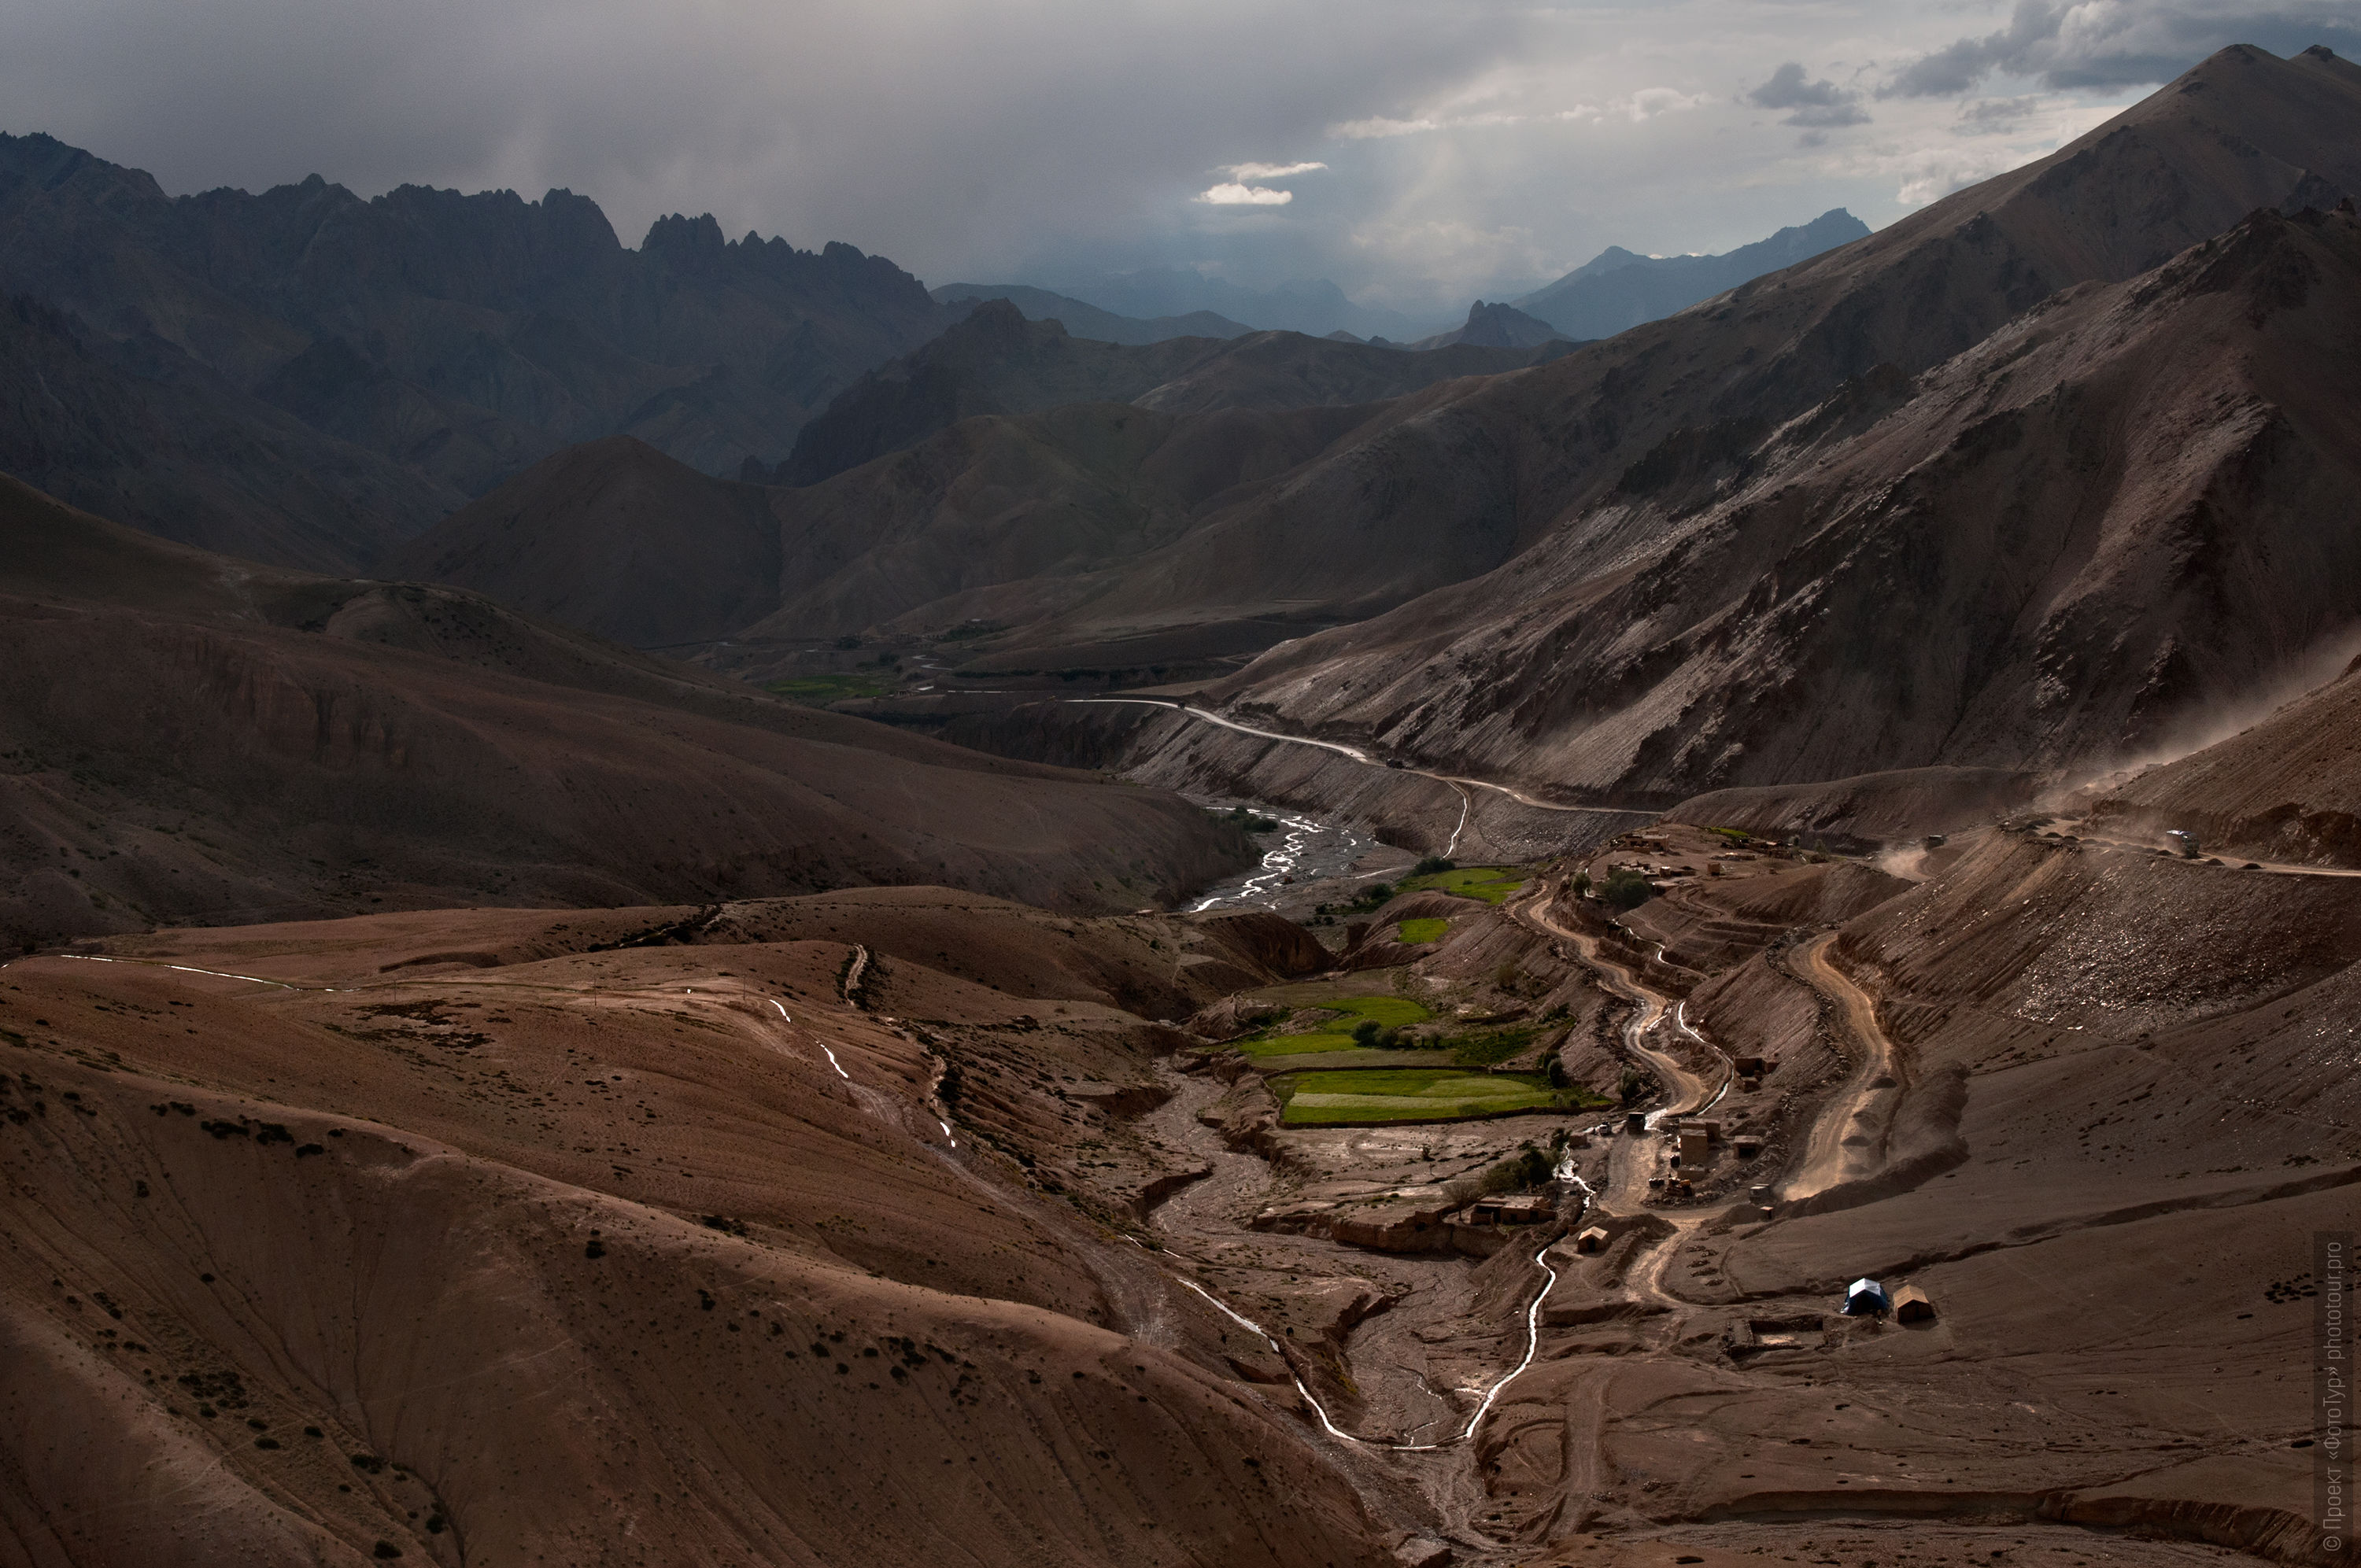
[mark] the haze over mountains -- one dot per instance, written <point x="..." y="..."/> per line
<point x="1617" y="290"/>
<point x="1088" y="321"/>
<point x="1314" y="306"/>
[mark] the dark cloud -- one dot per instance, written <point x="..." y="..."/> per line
<point x="2086" y="45"/>
<point x="1818" y="104"/>
<point x="950" y="137"/>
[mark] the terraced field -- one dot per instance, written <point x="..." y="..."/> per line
<point x="1408" y="1094"/>
<point x="1387" y="1012"/>
<point x="1493" y="884"/>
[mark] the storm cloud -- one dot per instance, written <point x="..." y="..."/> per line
<point x="1418" y="153"/>
<point x="2109" y="43"/>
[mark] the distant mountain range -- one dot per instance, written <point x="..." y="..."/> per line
<point x="1644" y="567"/>
<point x="1314" y="306"/>
<point x="302" y="376"/>
<point x="1618" y="289"/>
<point x="996" y="362"/>
<point x="1496" y="326"/>
<point x="1088" y="321"/>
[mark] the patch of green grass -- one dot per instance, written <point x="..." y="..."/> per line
<point x="1494" y="1046"/>
<point x="1393" y="1012"/>
<point x="1387" y="1012"/>
<point x="1491" y="883"/>
<point x="1295" y="1045"/>
<point x="1409" y="1095"/>
<point x="1418" y="933"/>
<point x="818" y="691"/>
<point x="1275" y="1063"/>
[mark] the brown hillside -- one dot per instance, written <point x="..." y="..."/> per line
<point x="191" y="738"/>
<point x="616" y="538"/>
<point x="2116" y="517"/>
<point x="592" y="1256"/>
<point x="1481" y="469"/>
<point x="1460" y="477"/>
<point x="2287" y="789"/>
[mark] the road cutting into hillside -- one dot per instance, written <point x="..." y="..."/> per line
<point x="1686" y="1091"/>
<point x="2081" y="833"/>
<point x="1355" y="754"/>
<point x="1848" y="1140"/>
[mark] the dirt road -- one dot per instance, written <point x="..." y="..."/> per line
<point x="1456" y="780"/>
<point x="1684" y="1089"/>
<point x="1849" y="1137"/>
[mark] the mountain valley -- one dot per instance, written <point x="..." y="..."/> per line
<point x="690" y="906"/>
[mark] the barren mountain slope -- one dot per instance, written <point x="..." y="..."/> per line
<point x="996" y="517"/>
<point x="187" y="737"/>
<point x="456" y="338"/>
<point x="994" y="362"/>
<point x="168" y="445"/>
<point x="1481" y="469"/>
<point x="2124" y="511"/>
<point x="614" y="538"/>
<point x="2287" y="789"/>
<point x="642" y="1256"/>
<point x="1458" y="478"/>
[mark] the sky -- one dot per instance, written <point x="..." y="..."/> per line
<point x="1419" y="154"/>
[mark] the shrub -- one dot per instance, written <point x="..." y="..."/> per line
<point x="1431" y="864"/>
<point x="1627" y="889"/>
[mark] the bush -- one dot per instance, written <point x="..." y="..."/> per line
<point x="1431" y="864"/>
<point x="1631" y="1085"/>
<point x="1627" y="889"/>
<point x="1365" y="1032"/>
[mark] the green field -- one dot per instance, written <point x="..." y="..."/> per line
<point x="1418" y="933"/>
<point x="1491" y="1047"/>
<point x="818" y="691"/>
<point x="1490" y="884"/>
<point x="1329" y="1059"/>
<point x="1389" y="1012"/>
<point x="1408" y="1094"/>
<point x="1392" y="1012"/>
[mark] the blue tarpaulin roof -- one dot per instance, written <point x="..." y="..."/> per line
<point x="1866" y="1296"/>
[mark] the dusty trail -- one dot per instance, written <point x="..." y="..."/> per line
<point x="1686" y="1091"/>
<point x="2082" y="833"/>
<point x="1457" y="781"/>
<point x="1849" y="1138"/>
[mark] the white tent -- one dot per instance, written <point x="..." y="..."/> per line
<point x="1866" y="1298"/>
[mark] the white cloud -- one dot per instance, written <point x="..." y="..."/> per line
<point x="1235" y="196"/>
<point x="1378" y="126"/>
<point x="1268" y="171"/>
<point x="1650" y="101"/>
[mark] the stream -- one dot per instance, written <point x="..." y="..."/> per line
<point x="1304" y="849"/>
